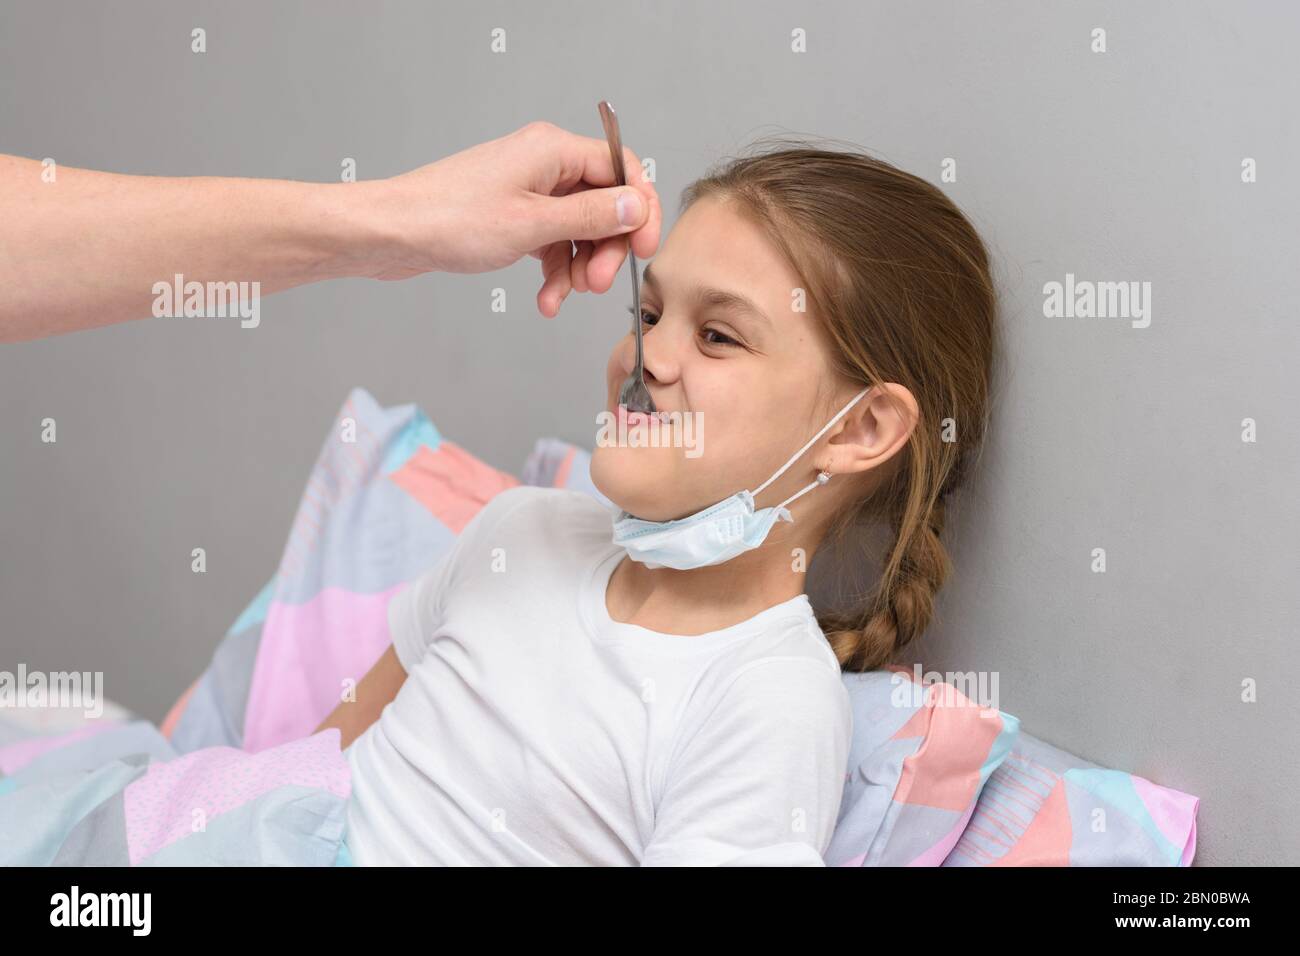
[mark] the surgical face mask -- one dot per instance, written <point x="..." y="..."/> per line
<point x="718" y="533"/>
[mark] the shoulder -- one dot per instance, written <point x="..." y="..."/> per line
<point x="787" y="683"/>
<point x="792" y="643"/>
<point x="540" y="500"/>
<point x="541" y="506"/>
<point x="550" y="531"/>
<point x="789" y="687"/>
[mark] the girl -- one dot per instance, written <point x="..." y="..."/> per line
<point x="576" y="685"/>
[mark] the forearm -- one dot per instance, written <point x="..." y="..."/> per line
<point x="88" y="248"/>
<point x="374" y="692"/>
<point x="351" y="719"/>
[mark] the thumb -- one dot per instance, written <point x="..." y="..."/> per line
<point x="589" y="214"/>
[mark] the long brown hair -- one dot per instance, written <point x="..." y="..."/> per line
<point x="901" y="282"/>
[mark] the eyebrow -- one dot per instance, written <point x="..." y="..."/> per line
<point x="707" y="297"/>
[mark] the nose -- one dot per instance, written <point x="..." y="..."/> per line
<point x="658" y="357"/>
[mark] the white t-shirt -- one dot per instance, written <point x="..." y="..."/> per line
<point x="534" y="730"/>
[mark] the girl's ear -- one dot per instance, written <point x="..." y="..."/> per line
<point x="873" y="431"/>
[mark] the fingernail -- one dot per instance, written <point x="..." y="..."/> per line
<point x="628" y="205"/>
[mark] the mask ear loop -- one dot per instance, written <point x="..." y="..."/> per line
<point x="824" y="476"/>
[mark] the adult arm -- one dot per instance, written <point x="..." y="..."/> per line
<point x="81" y="248"/>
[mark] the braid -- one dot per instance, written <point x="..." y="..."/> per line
<point x="904" y="603"/>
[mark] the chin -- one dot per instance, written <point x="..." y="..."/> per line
<point x="638" y="481"/>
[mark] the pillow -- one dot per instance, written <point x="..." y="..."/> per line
<point x="1046" y="807"/>
<point x="384" y="501"/>
<point x="920" y="757"/>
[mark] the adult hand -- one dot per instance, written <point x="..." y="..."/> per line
<point x="539" y="191"/>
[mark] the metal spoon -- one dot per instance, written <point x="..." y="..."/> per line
<point x="633" y="395"/>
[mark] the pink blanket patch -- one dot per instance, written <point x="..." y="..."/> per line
<point x="945" y="770"/>
<point x="1047" y="840"/>
<point x="174" y="798"/>
<point x="306" y="651"/>
<point x="1173" y="812"/>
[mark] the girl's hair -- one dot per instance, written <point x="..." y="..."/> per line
<point x="900" y="280"/>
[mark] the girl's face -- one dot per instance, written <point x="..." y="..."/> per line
<point x="725" y="347"/>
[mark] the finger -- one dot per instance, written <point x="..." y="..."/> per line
<point x="607" y="254"/>
<point x="606" y="259"/>
<point x="645" y="239"/>
<point x="555" y="273"/>
<point x="589" y="214"/>
<point x="540" y="251"/>
<point x="573" y="273"/>
<point x="570" y="160"/>
<point x="575" y="164"/>
<point x="578" y="268"/>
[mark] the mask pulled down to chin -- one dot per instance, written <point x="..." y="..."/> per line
<point x="719" y="532"/>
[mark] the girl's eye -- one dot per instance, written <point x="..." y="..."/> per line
<point x="711" y="336"/>
<point x="719" y="338"/>
<point x="649" y="318"/>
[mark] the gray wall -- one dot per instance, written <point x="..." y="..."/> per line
<point x="1121" y="166"/>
